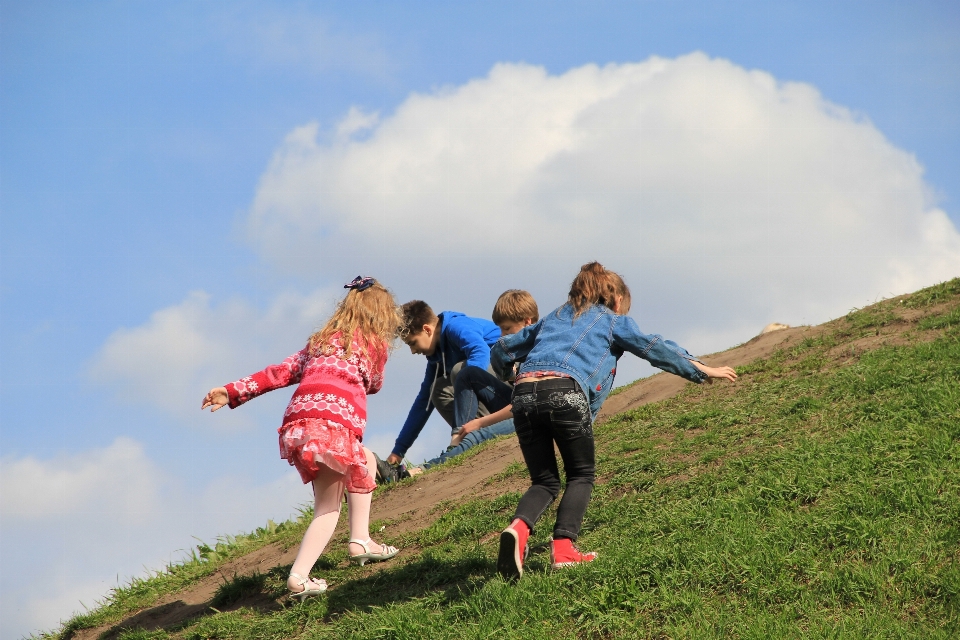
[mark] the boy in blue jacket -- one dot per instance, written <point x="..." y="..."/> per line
<point x="450" y="341"/>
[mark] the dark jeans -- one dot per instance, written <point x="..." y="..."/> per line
<point x="548" y="412"/>
<point x="444" y="396"/>
<point x="473" y="386"/>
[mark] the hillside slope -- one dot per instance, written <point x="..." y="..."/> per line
<point x="818" y="496"/>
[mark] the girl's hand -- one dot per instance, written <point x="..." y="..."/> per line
<point x="718" y="372"/>
<point x="216" y="398"/>
<point x="467" y="427"/>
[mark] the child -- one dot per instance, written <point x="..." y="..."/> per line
<point x="325" y="420"/>
<point x="450" y="342"/>
<point x="570" y="362"/>
<point x="514" y="310"/>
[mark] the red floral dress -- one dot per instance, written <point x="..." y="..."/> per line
<point x="327" y="415"/>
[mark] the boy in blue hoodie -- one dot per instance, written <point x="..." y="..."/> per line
<point x="450" y="341"/>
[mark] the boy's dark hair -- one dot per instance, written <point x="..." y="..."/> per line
<point x="416" y="313"/>
<point x="515" y="305"/>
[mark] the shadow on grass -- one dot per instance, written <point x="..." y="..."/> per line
<point x="457" y="579"/>
<point x="249" y="591"/>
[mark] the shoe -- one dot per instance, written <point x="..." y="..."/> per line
<point x="563" y="553"/>
<point x="513" y="550"/>
<point x="311" y="587"/>
<point x="386" y="552"/>
<point x="387" y="472"/>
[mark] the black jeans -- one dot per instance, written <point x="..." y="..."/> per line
<point x="548" y="412"/>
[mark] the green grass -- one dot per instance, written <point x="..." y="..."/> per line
<point x="203" y="561"/>
<point x="819" y="497"/>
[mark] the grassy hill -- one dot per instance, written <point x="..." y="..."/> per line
<point x="819" y="496"/>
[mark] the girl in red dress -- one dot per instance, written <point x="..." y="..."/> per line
<point x="324" y="423"/>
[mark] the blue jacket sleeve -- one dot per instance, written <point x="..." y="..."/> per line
<point x="467" y="336"/>
<point x="419" y="413"/>
<point x="663" y="354"/>
<point x="513" y="348"/>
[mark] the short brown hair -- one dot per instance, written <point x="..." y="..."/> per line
<point x="515" y="305"/>
<point x="416" y="313"/>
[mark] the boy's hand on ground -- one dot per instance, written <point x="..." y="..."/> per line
<point x="216" y="398"/>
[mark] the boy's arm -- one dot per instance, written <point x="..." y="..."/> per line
<point x="417" y="417"/>
<point x="273" y="377"/>
<point x="663" y="354"/>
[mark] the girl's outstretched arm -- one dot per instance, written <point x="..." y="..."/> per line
<point x="216" y="398"/>
<point x="715" y="372"/>
<point x="479" y="423"/>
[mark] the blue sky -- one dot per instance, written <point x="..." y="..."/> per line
<point x="152" y="243"/>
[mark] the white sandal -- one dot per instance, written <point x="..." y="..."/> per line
<point x="311" y="587"/>
<point x="386" y="552"/>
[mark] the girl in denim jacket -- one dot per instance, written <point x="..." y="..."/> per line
<point x="569" y="361"/>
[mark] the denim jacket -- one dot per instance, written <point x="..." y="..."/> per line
<point x="587" y="349"/>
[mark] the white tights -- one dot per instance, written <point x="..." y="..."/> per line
<point x="328" y="489"/>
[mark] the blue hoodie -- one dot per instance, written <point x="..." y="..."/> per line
<point x="461" y="338"/>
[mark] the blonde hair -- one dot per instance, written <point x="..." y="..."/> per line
<point x="515" y="305"/>
<point x="372" y="312"/>
<point x="598" y="285"/>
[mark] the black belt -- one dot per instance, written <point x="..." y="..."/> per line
<point x="549" y="383"/>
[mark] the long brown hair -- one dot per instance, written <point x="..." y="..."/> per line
<point x="598" y="285"/>
<point x="373" y="311"/>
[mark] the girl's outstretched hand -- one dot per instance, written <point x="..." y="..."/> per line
<point x="716" y="372"/>
<point x="216" y="398"/>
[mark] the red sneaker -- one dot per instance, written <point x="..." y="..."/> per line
<point x="513" y="550"/>
<point x="563" y="553"/>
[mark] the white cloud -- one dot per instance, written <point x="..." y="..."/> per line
<point x="726" y="197"/>
<point x="188" y="348"/>
<point x="184" y="350"/>
<point x="118" y="480"/>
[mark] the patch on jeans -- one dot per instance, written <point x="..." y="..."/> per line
<point x="524" y="403"/>
<point x="572" y="400"/>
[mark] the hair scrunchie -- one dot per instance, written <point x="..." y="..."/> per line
<point x="360" y="283"/>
